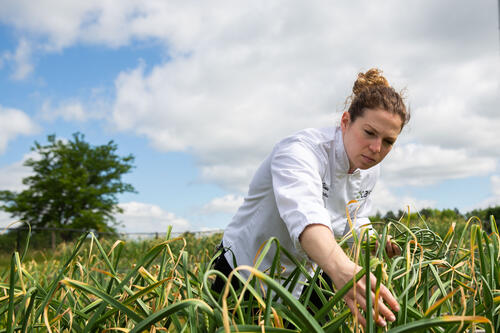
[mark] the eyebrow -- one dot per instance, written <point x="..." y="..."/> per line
<point x="377" y="132"/>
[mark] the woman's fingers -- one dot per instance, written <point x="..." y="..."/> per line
<point x="389" y="249"/>
<point x="362" y="303"/>
<point x="396" y="249"/>
<point x="386" y="300"/>
<point x="385" y="314"/>
<point x="383" y="310"/>
<point x="386" y="295"/>
<point x="355" y="311"/>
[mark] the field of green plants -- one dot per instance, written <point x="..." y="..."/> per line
<point x="446" y="280"/>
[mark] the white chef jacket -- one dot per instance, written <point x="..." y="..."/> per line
<point x="303" y="181"/>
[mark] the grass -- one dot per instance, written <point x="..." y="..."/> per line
<point x="444" y="282"/>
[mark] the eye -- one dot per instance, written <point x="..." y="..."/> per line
<point x="370" y="133"/>
<point x="389" y="142"/>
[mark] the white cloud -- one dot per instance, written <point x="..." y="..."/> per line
<point x="72" y="110"/>
<point x="240" y="76"/>
<point x="227" y="204"/>
<point x="185" y="24"/>
<point x="462" y="111"/>
<point x="248" y="80"/>
<point x="421" y="165"/>
<point x="187" y="105"/>
<point x="58" y="24"/>
<point x="11" y="176"/>
<point x="143" y="217"/>
<point x="6" y="221"/>
<point x="495" y="186"/>
<point x="14" y="122"/>
<point x="494" y="199"/>
<point x="20" y="59"/>
<point x="68" y="110"/>
<point x="384" y="200"/>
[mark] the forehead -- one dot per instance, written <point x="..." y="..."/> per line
<point x="383" y="122"/>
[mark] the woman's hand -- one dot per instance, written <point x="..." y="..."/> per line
<point x="357" y="298"/>
<point x="391" y="248"/>
<point x="319" y="243"/>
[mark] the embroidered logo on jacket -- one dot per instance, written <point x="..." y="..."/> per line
<point x="326" y="189"/>
<point x="362" y="195"/>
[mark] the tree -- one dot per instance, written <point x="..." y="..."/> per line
<point x="390" y="216"/>
<point x="73" y="185"/>
<point x="484" y="216"/>
<point x="427" y="213"/>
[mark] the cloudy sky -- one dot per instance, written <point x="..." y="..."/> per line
<point x="199" y="91"/>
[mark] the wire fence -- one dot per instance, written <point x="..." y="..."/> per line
<point x="51" y="237"/>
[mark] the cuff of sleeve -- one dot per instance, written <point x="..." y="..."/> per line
<point x="296" y="229"/>
<point x="362" y="223"/>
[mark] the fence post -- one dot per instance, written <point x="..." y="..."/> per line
<point x="156" y="235"/>
<point x="53" y="238"/>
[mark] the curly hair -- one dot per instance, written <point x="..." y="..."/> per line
<point x="372" y="91"/>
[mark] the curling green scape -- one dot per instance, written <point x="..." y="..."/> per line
<point x="448" y="284"/>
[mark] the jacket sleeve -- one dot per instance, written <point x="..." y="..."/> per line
<point x="296" y="170"/>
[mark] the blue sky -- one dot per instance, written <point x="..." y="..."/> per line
<point x="199" y="93"/>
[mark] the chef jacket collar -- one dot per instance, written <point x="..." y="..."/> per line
<point x="341" y="159"/>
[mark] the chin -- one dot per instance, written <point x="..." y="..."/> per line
<point x="366" y="167"/>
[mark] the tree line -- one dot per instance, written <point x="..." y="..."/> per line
<point x="444" y="214"/>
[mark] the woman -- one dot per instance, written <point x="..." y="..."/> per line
<point x="300" y="192"/>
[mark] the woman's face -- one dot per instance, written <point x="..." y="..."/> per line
<point x="369" y="138"/>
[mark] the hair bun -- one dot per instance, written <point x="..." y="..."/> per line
<point x="373" y="77"/>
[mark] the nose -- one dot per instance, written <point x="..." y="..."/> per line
<point x="376" y="145"/>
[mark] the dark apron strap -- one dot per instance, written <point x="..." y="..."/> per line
<point x="223" y="266"/>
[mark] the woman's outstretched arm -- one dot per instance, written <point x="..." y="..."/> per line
<point x="318" y="242"/>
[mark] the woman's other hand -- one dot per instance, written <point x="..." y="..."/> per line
<point x="391" y="247"/>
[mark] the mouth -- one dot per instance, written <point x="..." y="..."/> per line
<point x="368" y="159"/>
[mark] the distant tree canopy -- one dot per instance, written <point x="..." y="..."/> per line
<point x="73" y="185"/>
<point x="484" y="214"/>
<point x="445" y="215"/>
<point x="425" y="213"/>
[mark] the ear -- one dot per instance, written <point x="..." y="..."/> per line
<point x="345" y="121"/>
